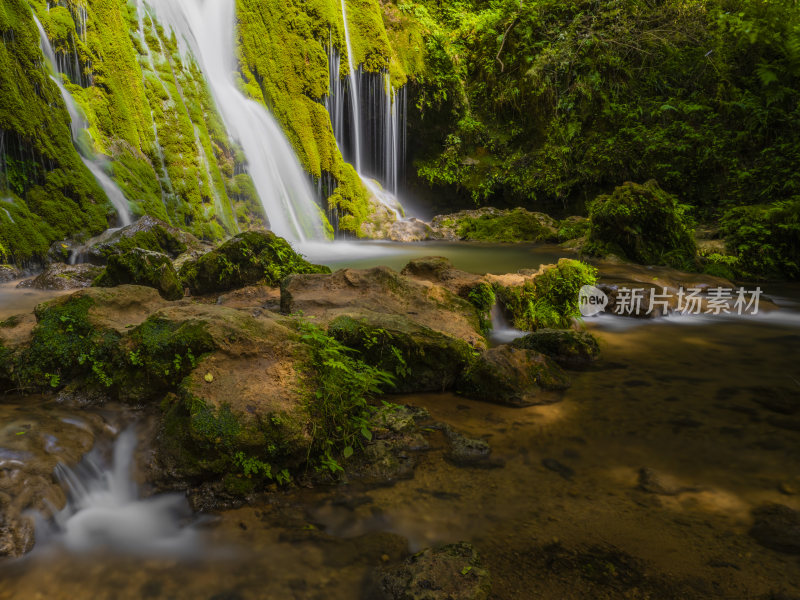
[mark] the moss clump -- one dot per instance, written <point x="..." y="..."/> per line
<point x="67" y="345"/>
<point x="483" y="298"/>
<point x="420" y="358"/>
<point x="247" y="258"/>
<point x="572" y="228"/>
<point x="142" y="267"/>
<point x="549" y="299"/>
<point x="159" y="353"/>
<point x="642" y="223"/>
<point x="570" y="349"/>
<point x="764" y="239"/>
<point x="518" y="225"/>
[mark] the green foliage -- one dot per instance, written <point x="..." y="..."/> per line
<point x="551" y="298"/>
<point x="67" y="345"/>
<point x="162" y="352"/>
<point x="572" y="228"/>
<point x="555" y="101"/>
<point x="643" y="223"/>
<point x="765" y="238"/>
<point x="338" y="398"/>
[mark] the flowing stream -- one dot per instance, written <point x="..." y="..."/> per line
<point x="206" y="28"/>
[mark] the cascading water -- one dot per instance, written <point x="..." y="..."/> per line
<point x="78" y="124"/>
<point x="104" y="510"/>
<point x="206" y="28"/>
<point x="374" y="141"/>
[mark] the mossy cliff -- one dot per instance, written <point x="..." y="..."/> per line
<point x="47" y="193"/>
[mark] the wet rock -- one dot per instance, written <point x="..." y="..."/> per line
<point x="451" y="572"/>
<point x="392" y="452"/>
<point x="569" y="348"/>
<point x="777" y="527"/>
<point x="59" y="276"/>
<point x="494" y="225"/>
<point x="147" y="233"/>
<point x="410" y="230"/>
<point x="653" y="482"/>
<point x="247" y="258"/>
<point x="142" y="267"/>
<point x="382" y="290"/>
<point x="421" y="359"/>
<point x="9" y="273"/>
<point x="468" y="452"/>
<point x="513" y="376"/>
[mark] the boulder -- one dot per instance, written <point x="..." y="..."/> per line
<point x="58" y="276"/>
<point x="147" y="233"/>
<point x="439" y="270"/>
<point x="142" y="267"/>
<point x="381" y="290"/>
<point x="514" y="377"/>
<point x="410" y="230"/>
<point x="569" y="348"/>
<point x="450" y="572"/>
<point x="9" y="273"/>
<point x="245" y="259"/>
<point x="493" y="225"/>
<point x="420" y="358"/>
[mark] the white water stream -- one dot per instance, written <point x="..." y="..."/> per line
<point x="206" y="29"/>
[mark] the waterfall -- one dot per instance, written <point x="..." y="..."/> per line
<point x="373" y="139"/>
<point x="354" y="91"/>
<point x="207" y="28"/>
<point x="78" y="124"/>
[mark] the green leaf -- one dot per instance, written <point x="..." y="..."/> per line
<point x="347" y="452"/>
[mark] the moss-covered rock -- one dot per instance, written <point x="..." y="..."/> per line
<point x="147" y="233"/>
<point x="247" y="258"/>
<point x="382" y="290"/>
<point x="513" y="376"/>
<point x="142" y="267"/>
<point x="549" y="298"/>
<point x="569" y="348"/>
<point x="58" y="276"/>
<point x="643" y="223"/>
<point x="420" y="358"/>
<point x="493" y="225"/>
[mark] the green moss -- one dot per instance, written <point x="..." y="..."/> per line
<point x="66" y="345"/>
<point x="572" y="228"/>
<point x="247" y="258"/>
<point x="142" y="267"/>
<point x="550" y="299"/>
<point x="518" y="225"/>
<point x="483" y="298"/>
<point x="643" y="223"/>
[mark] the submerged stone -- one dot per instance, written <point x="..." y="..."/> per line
<point x="450" y="572"/>
<point x="58" y="276"/>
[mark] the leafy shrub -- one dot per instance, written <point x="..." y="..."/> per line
<point x="551" y="298"/>
<point x="338" y="401"/>
<point x="643" y="223"/>
<point x="765" y="238"/>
